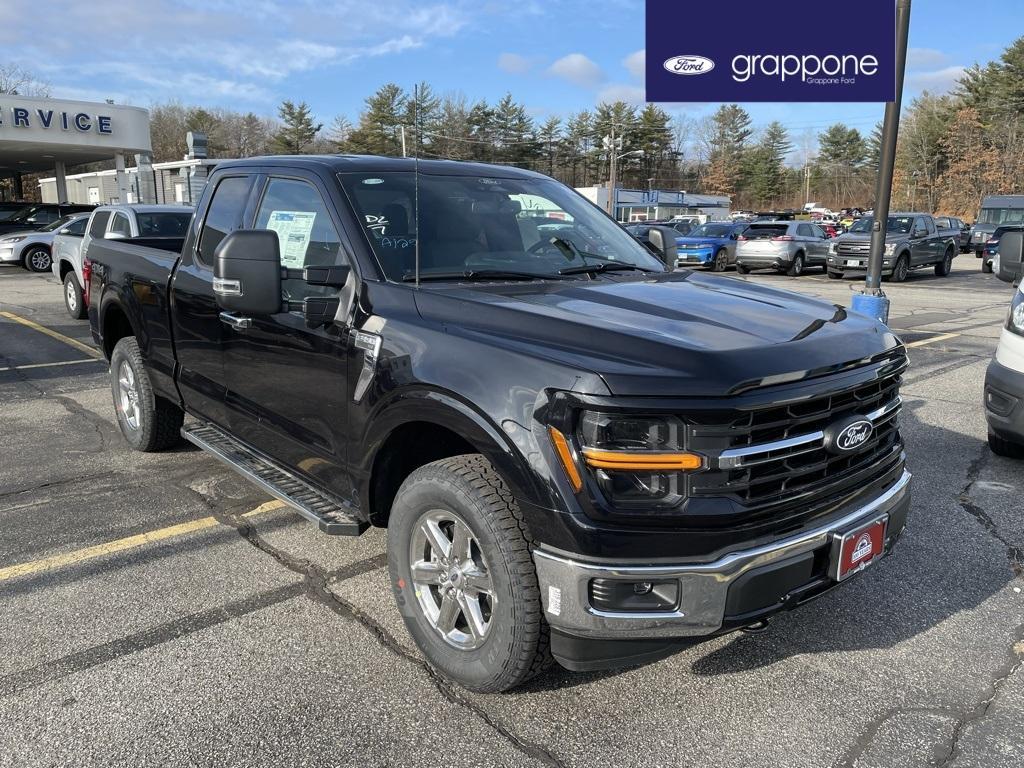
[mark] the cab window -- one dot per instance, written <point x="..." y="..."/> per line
<point x="98" y="223"/>
<point x="224" y="215"/>
<point x="121" y="226"/>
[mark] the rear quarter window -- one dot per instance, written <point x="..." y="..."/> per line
<point x="765" y="231"/>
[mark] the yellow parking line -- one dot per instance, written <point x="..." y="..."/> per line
<point x="52" y="333"/>
<point x="47" y="365"/>
<point x="120" y="545"/>
<point x="933" y="339"/>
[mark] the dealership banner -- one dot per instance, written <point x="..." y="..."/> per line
<point x="787" y="50"/>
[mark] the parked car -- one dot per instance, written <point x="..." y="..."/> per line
<point x="830" y="230"/>
<point x="952" y="227"/>
<point x="519" y="413"/>
<point x="911" y="242"/>
<point x="1004" y="379"/>
<point x="785" y="246"/>
<point x="34" y="249"/>
<point x="996" y="211"/>
<point x="35" y="215"/>
<point x="8" y="209"/>
<point x="991" y="250"/>
<point x="127" y="221"/>
<point x="711" y="245"/>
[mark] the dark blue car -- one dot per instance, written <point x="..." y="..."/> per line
<point x="711" y="245"/>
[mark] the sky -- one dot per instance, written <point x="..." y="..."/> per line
<point x="556" y="56"/>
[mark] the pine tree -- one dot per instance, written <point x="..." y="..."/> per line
<point x="550" y="138"/>
<point x="730" y="129"/>
<point x="379" y="129"/>
<point x="297" y="130"/>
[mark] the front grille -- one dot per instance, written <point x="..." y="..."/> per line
<point x="768" y="455"/>
<point x="852" y="249"/>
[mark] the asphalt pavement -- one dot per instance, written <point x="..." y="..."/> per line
<point x="156" y="610"/>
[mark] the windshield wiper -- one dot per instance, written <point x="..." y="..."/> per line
<point x="477" y="274"/>
<point x="604" y="266"/>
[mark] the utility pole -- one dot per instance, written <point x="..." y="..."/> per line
<point x="872" y="301"/>
<point x="613" y="144"/>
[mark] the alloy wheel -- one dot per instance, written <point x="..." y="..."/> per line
<point x="128" y="395"/>
<point x="40" y="260"/>
<point x="452" y="582"/>
<point x="70" y="296"/>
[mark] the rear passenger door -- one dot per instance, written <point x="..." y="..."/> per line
<point x="287" y="384"/>
<point x="922" y="250"/>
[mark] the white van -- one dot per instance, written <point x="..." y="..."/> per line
<point x="1004" y="380"/>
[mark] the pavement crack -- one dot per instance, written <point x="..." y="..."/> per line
<point x="317" y="583"/>
<point x="1014" y="552"/>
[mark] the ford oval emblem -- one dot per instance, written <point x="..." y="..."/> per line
<point x="689" y="65"/>
<point x="848" y="435"/>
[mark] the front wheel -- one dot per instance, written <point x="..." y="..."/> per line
<point x="743" y="269"/>
<point x="1003" y="447"/>
<point x="148" y="423"/>
<point x="38" y="259"/>
<point x="834" y="275"/>
<point x="74" y="302"/>
<point x="901" y="270"/>
<point x="797" y="267"/>
<point x="721" y="260"/>
<point x="463" y="577"/>
<point x="986" y="266"/>
<point x="945" y="266"/>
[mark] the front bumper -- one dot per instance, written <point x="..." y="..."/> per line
<point x="695" y="256"/>
<point x="10" y="254"/>
<point x="711" y="595"/>
<point x="1004" y="401"/>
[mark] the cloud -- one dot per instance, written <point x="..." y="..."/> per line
<point x="631" y="94"/>
<point x="578" y="70"/>
<point x="937" y="81"/>
<point x="926" y="58"/>
<point x="514" y="64"/>
<point x="634" y="63"/>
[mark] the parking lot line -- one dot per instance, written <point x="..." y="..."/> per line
<point x="47" y="365"/>
<point x="52" y="333"/>
<point x="933" y="339"/>
<point x="120" y="545"/>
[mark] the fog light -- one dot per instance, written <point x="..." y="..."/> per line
<point x="619" y="595"/>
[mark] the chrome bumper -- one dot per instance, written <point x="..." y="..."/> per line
<point x="703" y="587"/>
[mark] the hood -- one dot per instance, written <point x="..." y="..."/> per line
<point x="690" y="240"/>
<point x="35" y="234"/>
<point x="676" y="334"/>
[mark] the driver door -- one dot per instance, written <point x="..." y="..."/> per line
<point x="287" y="387"/>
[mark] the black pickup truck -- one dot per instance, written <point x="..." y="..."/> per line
<point x="912" y="241"/>
<point x="579" y="454"/>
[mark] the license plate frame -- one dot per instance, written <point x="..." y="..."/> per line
<point x="856" y="549"/>
<point x="854" y="263"/>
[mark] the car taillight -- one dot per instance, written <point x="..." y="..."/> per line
<point x="741" y="237"/>
<point x="782" y="238"/>
<point x="86" y="279"/>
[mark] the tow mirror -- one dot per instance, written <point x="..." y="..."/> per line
<point x="1011" y="245"/>
<point x="247" y="272"/>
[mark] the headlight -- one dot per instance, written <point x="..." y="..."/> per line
<point x="15" y="239"/>
<point x="833" y="249"/>
<point x="1015" y="320"/>
<point x="890" y="249"/>
<point x="637" y="460"/>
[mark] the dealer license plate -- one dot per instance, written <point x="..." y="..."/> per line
<point x="857" y="549"/>
<point x="854" y="263"/>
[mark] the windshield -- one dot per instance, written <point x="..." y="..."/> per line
<point x="486" y="224"/>
<point x="711" y="230"/>
<point x="165" y="224"/>
<point x="1001" y="216"/>
<point x="24" y="214"/>
<point x="56" y="224"/>
<point x="900" y="225"/>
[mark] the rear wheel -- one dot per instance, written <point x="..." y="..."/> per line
<point x="74" y="302"/>
<point x="797" y="267"/>
<point x="721" y="260"/>
<point x="148" y="423"/>
<point x="986" y="266"/>
<point x="1003" y="447"/>
<point x="945" y="266"/>
<point x="463" y="577"/>
<point x="37" y="259"/>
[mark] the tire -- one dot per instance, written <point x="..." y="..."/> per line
<point x="743" y="269"/>
<point x="74" y="300"/>
<point x="721" y="260"/>
<point x="986" y="266"/>
<point x="797" y="267"/>
<point x="901" y="270"/>
<point x="149" y="423"/>
<point x="37" y="259"/>
<point x="1003" y="447"/>
<point x="514" y="643"/>
<point x="944" y="267"/>
<point x="833" y="275"/>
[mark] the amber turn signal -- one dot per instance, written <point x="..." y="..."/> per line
<point x="626" y="460"/>
<point x="561" y="445"/>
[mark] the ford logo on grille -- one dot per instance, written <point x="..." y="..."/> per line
<point x="848" y="435"/>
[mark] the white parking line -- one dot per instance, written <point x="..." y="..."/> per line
<point x="47" y="365"/>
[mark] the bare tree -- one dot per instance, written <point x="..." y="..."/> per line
<point x="20" y="82"/>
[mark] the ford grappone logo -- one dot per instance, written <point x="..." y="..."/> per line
<point x="689" y="65"/>
<point x="849" y="435"/>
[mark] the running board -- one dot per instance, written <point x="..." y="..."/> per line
<point x="333" y="516"/>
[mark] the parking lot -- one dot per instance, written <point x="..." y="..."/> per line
<point x="156" y="608"/>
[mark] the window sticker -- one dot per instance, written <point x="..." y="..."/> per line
<point x="293" y="232"/>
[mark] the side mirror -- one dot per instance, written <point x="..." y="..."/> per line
<point x="247" y="272"/>
<point x="1011" y="246"/>
<point x="65" y="231"/>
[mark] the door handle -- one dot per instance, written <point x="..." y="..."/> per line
<point x="238" y="323"/>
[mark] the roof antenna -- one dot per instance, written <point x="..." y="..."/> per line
<point x="416" y="176"/>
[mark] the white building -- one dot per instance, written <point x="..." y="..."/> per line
<point x="179" y="181"/>
<point x="651" y="204"/>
